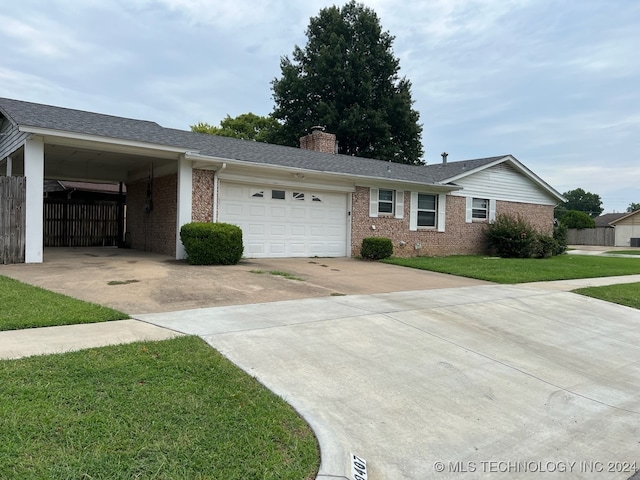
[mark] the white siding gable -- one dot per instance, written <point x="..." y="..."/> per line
<point x="503" y="182"/>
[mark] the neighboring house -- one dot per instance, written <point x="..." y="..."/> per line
<point x="627" y="229"/>
<point x="288" y="201"/>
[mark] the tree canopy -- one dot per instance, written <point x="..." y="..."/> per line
<point x="347" y="80"/>
<point x="578" y="199"/>
<point x="577" y="219"/>
<point x="247" y="126"/>
<point x="633" y="207"/>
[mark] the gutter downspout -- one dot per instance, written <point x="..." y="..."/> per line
<point x="216" y="188"/>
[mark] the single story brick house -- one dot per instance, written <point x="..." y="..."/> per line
<point x="289" y="202"/>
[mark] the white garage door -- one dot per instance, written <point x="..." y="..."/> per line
<point x="279" y="222"/>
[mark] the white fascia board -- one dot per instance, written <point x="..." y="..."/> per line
<point x="521" y="168"/>
<point x="97" y="139"/>
<point x="356" y="180"/>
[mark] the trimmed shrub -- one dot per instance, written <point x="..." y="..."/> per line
<point x="577" y="219"/>
<point x="376" y="248"/>
<point x="511" y="237"/>
<point x="212" y="243"/>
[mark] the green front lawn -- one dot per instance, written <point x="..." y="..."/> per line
<point x="624" y="294"/>
<point x="153" y="410"/>
<point x="25" y="306"/>
<point x="519" y="270"/>
<point x="624" y="252"/>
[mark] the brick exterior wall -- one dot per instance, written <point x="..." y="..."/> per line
<point x="458" y="238"/>
<point x="319" y="141"/>
<point x="539" y="216"/>
<point x="202" y="196"/>
<point x="153" y="231"/>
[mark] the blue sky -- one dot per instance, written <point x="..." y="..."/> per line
<point x="555" y="83"/>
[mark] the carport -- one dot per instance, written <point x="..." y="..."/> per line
<point x="40" y="142"/>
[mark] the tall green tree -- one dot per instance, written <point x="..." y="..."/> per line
<point x="247" y="126"/>
<point x="578" y="199"/>
<point x="633" y="207"/>
<point x="347" y="80"/>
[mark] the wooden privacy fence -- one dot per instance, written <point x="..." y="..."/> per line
<point x="604" y="236"/>
<point x="12" y="219"/>
<point x="69" y="223"/>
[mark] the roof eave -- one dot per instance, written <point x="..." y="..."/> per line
<point x="194" y="156"/>
<point x="63" y="134"/>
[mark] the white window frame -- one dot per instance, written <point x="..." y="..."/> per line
<point x="441" y="212"/>
<point x="397" y="203"/>
<point x="428" y="210"/>
<point x="490" y="210"/>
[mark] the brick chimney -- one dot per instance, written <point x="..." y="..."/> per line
<point x="319" y="140"/>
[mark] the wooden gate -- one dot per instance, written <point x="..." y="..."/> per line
<point x="12" y="219"/>
<point x="80" y="223"/>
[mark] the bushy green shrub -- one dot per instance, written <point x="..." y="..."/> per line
<point x="212" y="243"/>
<point x="511" y="237"/>
<point x="560" y="236"/>
<point x="376" y="248"/>
<point x="543" y="246"/>
<point x="577" y="219"/>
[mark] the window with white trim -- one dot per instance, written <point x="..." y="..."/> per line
<point x="480" y="209"/>
<point x="277" y="194"/>
<point x="298" y="196"/>
<point x="427" y="210"/>
<point x="385" y="201"/>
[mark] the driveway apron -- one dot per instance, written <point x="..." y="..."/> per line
<point x="474" y="382"/>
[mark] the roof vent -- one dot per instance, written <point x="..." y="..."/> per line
<point x="444" y="157"/>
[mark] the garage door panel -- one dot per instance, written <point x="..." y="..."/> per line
<point x="302" y="224"/>
<point x="256" y="211"/>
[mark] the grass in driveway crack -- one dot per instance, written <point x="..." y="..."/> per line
<point x="280" y="274"/>
<point x="122" y="282"/>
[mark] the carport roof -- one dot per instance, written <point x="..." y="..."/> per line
<point x="29" y="116"/>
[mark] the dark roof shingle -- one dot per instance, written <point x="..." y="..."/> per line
<point x="77" y="121"/>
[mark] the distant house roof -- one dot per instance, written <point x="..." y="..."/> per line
<point x="46" y="119"/>
<point x="606" y="219"/>
<point x="624" y="216"/>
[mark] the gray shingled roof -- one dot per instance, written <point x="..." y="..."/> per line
<point x="28" y="114"/>
<point x="607" y="218"/>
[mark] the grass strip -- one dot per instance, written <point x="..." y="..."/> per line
<point x="519" y="270"/>
<point x="624" y="252"/>
<point x="26" y="306"/>
<point x="161" y="410"/>
<point x="624" y="294"/>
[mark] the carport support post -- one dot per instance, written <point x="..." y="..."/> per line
<point x="34" y="174"/>
<point x="185" y="192"/>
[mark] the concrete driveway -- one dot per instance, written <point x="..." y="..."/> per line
<point x="141" y="282"/>
<point x="471" y="382"/>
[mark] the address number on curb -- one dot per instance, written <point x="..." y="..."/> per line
<point x="358" y="468"/>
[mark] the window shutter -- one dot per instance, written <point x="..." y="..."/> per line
<point x="492" y="210"/>
<point x="469" y="216"/>
<point x="413" y="212"/>
<point x="399" y="204"/>
<point x="442" y="211"/>
<point x="373" y="202"/>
